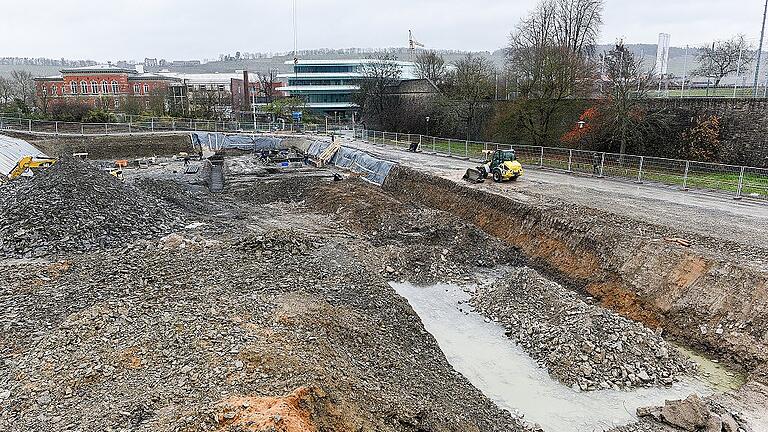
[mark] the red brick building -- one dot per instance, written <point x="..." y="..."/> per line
<point x="102" y="86"/>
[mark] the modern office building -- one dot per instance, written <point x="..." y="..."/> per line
<point x="327" y="86"/>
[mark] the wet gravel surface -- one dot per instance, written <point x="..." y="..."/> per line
<point x="582" y="345"/>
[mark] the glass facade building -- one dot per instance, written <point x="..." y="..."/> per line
<point x="328" y="86"/>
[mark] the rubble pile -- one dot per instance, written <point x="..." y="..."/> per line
<point x="279" y="241"/>
<point x="584" y="346"/>
<point x="691" y="414"/>
<point x="73" y="206"/>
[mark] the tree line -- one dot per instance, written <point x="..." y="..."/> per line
<point x="554" y="89"/>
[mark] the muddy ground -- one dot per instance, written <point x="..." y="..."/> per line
<point x="275" y="312"/>
<point x="271" y="310"/>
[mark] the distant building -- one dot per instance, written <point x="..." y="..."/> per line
<point x="213" y="94"/>
<point x="257" y="96"/>
<point x="150" y="63"/>
<point x="101" y="86"/>
<point x="186" y="63"/>
<point x="328" y="86"/>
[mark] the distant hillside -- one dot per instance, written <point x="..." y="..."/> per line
<point x="678" y="61"/>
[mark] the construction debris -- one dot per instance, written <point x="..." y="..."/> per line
<point x="75" y="207"/>
<point x="584" y="346"/>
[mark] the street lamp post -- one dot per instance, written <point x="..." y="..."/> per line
<point x="427" y="125"/>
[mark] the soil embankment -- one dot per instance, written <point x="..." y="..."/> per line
<point x="110" y="147"/>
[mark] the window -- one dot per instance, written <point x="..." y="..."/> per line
<point x="104" y="87"/>
<point x="221" y="87"/>
<point x="146" y="89"/>
<point x="115" y="88"/>
<point x="94" y="87"/>
<point x="45" y="90"/>
<point x="135" y="89"/>
<point x="117" y="101"/>
<point x="83" y="87"/>
<point x="201" y="87"/>
<point x="53" y="90"/>
<point x="73" y="86"/>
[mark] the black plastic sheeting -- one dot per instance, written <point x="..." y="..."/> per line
<point x="371" y="169"/>
<point x="219" y="141"/>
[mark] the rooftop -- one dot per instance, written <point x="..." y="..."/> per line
<point x="101" y="68"/>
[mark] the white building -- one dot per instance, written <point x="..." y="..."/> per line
<point x="327" y="86"/>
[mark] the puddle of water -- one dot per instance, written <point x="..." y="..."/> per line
<point x="481" y="352"/>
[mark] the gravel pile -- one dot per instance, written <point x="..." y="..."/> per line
<point x="73" y="206"/>
<point x="584" y="346"/>
<point x="280" y="241"/>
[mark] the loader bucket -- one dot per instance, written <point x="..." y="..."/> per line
<point x="473" y="176"/>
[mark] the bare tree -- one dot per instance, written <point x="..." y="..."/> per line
<point x="725" y="57"/>
<point x="380" y="74"/>
<point x="577" y="24"/>
<point x="267" y="81"/>
<point x="6" y="91"/>
<point x="550" y="56"/>
<point x="24" y="87"/>
<point x="431" y="65"/>
<point x="470" y="86"/>
<point x="625" y="89"/>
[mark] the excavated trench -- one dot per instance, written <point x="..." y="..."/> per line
<point x="692" y="294"/>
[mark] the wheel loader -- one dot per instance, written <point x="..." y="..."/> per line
<point x="501" y="165"/>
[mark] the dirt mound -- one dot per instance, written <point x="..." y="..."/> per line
<point x="73" y="206"/>
<point x="582" y="345"/>
<point x="285" y="414"/>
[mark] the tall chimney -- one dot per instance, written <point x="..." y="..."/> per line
<point x="246" y="92"/>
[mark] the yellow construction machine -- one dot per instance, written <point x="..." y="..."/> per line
<point x="502" y="165"/>
<point x="29" y="163"/>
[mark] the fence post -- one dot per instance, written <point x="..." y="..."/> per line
<point x="129" y="128"/>
<point x="466" y="149"/>
<point x="640" y="171"/>
<point x="685" y="176"/>
<point x="541" y="157"/>
<point x="741" y="184"/>
<point x="449" y="147"/>
<point x="420" y="139"/>
<point x="602" y="165"/>
<point x="408" y="140"/>
<point x="30" y="125"/>
<point x="570" y="160"/>
<point x="82" y="129"/>
<point x="153" y="124"/>
<point x="433" y="145"/>
<point x="106" y="128"/>
<point x="57" y="127"/>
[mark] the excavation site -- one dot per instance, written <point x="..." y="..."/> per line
<point x="251" y="283"/>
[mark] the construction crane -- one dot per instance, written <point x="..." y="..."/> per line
<point x="413" y="43"/>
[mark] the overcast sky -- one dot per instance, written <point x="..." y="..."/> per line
<point x="179" y="29"/>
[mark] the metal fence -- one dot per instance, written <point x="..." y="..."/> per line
<point x="154" y="125"/>
<point x="740" y="181"/>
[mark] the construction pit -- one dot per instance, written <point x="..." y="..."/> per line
<point x="384" y="297"/>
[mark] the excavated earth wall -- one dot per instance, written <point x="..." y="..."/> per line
<point x="708" y="295"/>
<point x="108" y="147"/>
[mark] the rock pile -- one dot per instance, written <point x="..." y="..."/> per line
<point x="73" y="206"/>
<point x="279" y="241"/>
<point x="584" y="346"/>
<point x="691" y="414"/>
